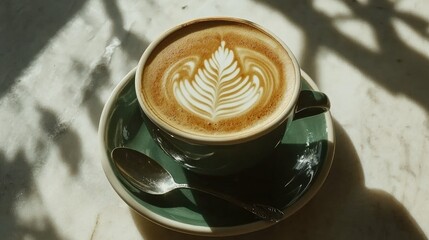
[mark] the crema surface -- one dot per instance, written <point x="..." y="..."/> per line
<point x="217" y="77"/>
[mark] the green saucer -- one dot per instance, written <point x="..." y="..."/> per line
<point x="287" y="180"/>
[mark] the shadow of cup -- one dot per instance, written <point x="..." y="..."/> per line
<point x="343" y="209"/>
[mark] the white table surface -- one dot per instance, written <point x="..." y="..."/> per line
<point x="60" y="60"/>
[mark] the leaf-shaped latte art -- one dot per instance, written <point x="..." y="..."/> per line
<point x="219" y="88"/>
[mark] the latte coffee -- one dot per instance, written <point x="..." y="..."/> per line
<point x="218" y="78"/>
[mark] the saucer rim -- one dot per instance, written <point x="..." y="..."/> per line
<point x="206" y="230"/>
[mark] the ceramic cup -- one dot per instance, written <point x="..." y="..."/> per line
<point x="231" y="151"/>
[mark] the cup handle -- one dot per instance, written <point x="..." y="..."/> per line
<point x="311" y="103"/>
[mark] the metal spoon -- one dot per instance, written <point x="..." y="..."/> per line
<point x="148" y="176"/>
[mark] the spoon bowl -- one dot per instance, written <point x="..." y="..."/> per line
<point x="148" y="176"/>
<point x="143" y="172"/>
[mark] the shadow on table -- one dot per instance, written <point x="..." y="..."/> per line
<point x="343" y="209"/>
<point x="395" y="63"/>
<point x="26" y="27"/>
<point x="17" y="182"/>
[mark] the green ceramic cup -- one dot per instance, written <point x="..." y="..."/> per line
<point x="215" y="154"/>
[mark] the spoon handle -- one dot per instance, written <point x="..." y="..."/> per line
<point x="263" y="211"/>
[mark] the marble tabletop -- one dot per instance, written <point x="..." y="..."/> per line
<point x="60" y="60"/>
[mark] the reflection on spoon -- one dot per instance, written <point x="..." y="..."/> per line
<point x="148" y="176"/>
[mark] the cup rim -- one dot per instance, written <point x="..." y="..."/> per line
<point x="226" y="139"/>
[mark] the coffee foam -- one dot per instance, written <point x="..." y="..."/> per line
<point x="216" y="78"/>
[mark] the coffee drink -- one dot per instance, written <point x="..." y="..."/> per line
<point x="217" y="78"/>
<point x="218" y="94"/>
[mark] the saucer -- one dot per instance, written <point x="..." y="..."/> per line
<point x="291" y="177"/>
